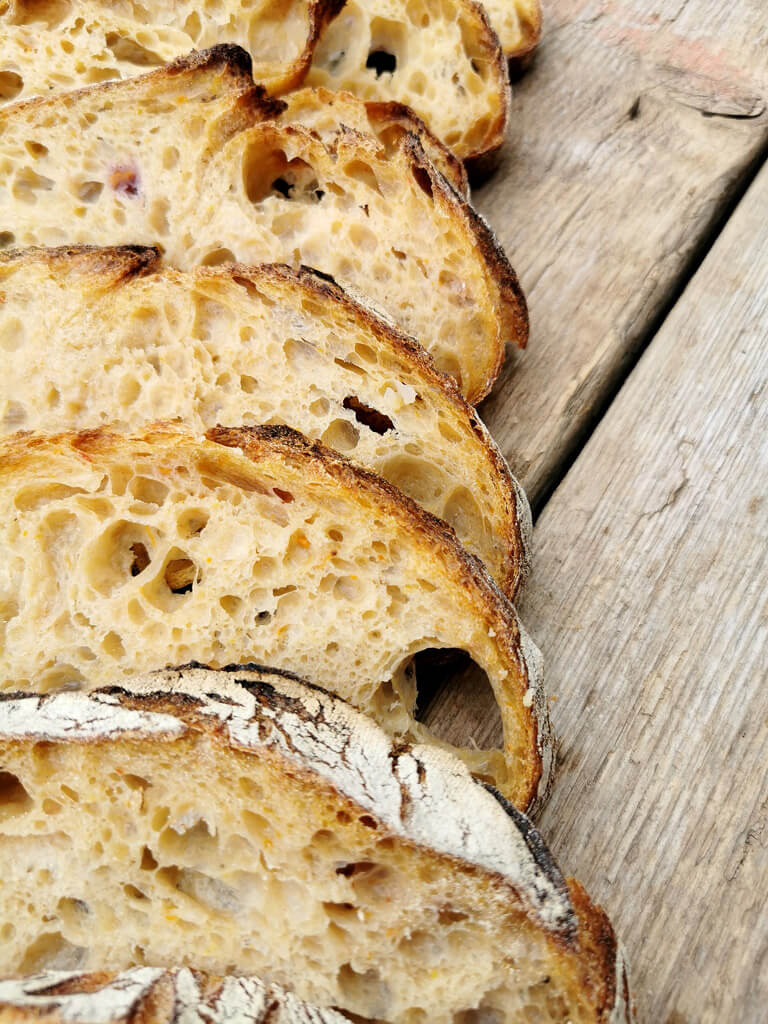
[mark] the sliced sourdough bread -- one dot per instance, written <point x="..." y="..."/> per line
<point x="187" y="157"/>
<point x="247" y="823"/>
<point x="51" y="47"/>
<point x="325" y="112"/>
<point x="110" y="337"/>
<point x="127" y="554"/>
<point x="441" y="57"/>
<point x="518" y="25"/>
<point x="152" y="995"/>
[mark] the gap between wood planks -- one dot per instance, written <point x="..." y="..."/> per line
<point x="722" y="214"/>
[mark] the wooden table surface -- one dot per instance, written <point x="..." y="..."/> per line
<point x="633" y="199"/>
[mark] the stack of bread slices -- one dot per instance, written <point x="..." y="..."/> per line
<point x="246" y="310"/>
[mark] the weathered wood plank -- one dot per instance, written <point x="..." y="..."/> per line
<point x="636" y="122"/>
<point x="649" y="600"/>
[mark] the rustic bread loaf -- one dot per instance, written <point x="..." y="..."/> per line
<point x="51" y="47"/>
<point x="152" y="995"/>
<point x="247" y="823"/>
<point x="177" y="157"/>
<point x="127" y="554"/>
<point x="517" y="23"/>
<point x="109" y="337"/>
<point x="324" y="112"/>
<point x="441" y="57"/>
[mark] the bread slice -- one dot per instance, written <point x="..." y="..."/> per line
<point x="111" y="337"/>
<point x="247" y="823"/>
<point x="325" y="112"/>
<point x="187" y="157"/>
<point x="518" y="25"/>
<point x="51" y="47"/>
<point x="152" y="995"/>
<point x="442" y="59"/>
<point x="132" y="553"/>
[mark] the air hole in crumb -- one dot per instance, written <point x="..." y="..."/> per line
<point x="216" y="257"/>
<point x="355" y="868"/>
<point x="381" y="62"/>
<point x="368" y="821"/>
<point x="14" y="799"/>
<point x="423" y="180"/>
<point x="231" y="603"/>
<point x="285" y="496"/>
<point x="133" y="893"/>
<point x="148" y="862"/>
<point x="341" y="435"/>
<point x="135" y="781"/>
<point x="141" y="558"/>
<point x="11" y="85"/>
<point x="180" y="574"/>
<point x="192" y="522"/>
<point x="89" y="191"/>
<point x="145" y="489"/>
<point x="7" y="238"/>
<point x="51" y="951"/>
<point x="376" y="421"/>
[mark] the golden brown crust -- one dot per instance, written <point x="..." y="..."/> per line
<point x="600" y="950"/>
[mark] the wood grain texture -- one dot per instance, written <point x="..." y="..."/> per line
<point x="635" y="124"/>
<point x="649" y="600"/>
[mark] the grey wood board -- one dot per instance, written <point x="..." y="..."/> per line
<point x="649" y="599"/>
<point x="629" y="134"/>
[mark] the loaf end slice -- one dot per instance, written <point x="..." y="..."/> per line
<point x="518" y="25"/>
<point x="236" y="801"/>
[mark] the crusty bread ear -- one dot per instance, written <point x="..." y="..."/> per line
<point x="188" y="157"/>
<point x="440" y="57"/>
<point x="326" y="112"/>
<point x="153" y="995"/>
<point x="54" y="47"/>
<point x="113" y="338"/>
<point x="518" y="25"/>
<point x="248" y="823"/>
<point x="131" y="553"/>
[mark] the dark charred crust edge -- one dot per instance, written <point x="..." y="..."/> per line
<point x="120" y="262"/>
<point x="599" y="946"/>
<point x="540" y="853"/>
<point x="128" y="261"/>
<point x="314" y="460"/>
<point x="391" y="112"/>
<point x="233" y="60"/>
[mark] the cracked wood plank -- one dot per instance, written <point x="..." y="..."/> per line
<point x="629" y="135"/>
<point x="649" y="600"/>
